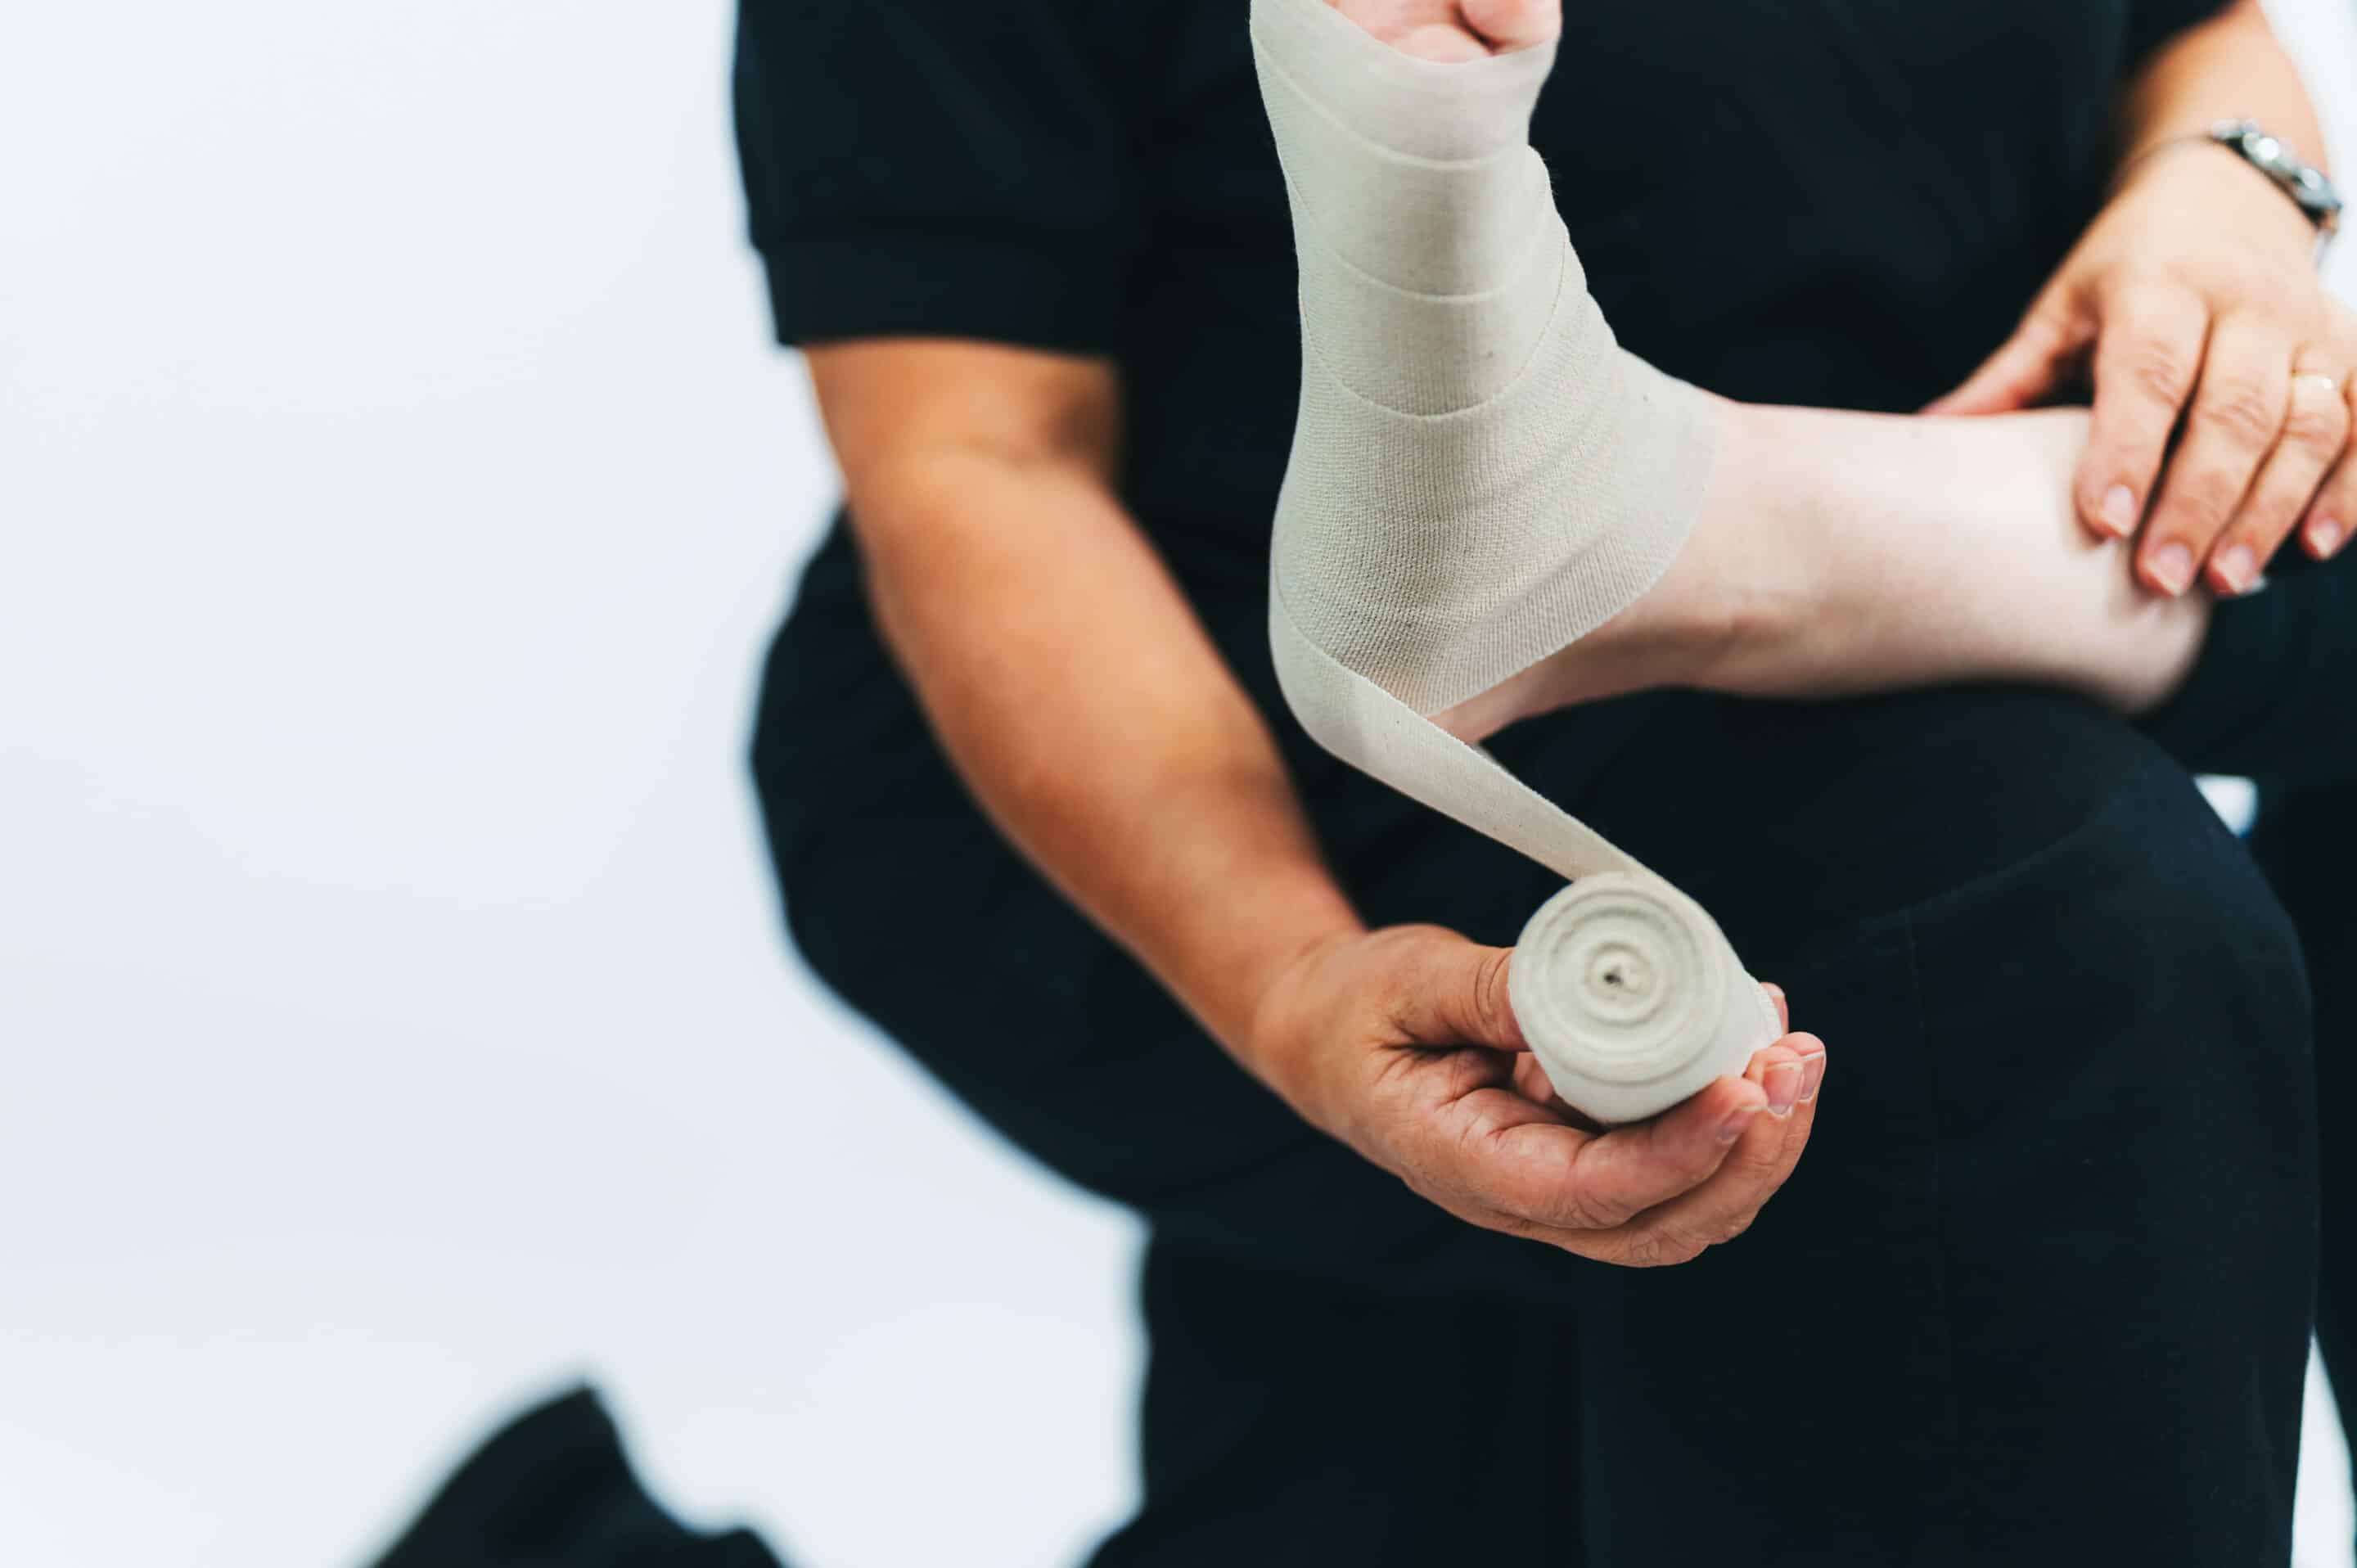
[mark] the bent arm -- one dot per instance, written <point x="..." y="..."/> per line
<point x="1089" y="712"/>
<point x="1073" y="687"/>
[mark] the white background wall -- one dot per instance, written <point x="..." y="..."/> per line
<point x="396" y="490"/>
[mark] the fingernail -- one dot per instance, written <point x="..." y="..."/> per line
<point x="2119" y="511"/>
<point x="1813" y="1073"/>
<point x="1783" y="1086"/>
<point x="1732" y="1128"/>
<point x="2238" y="569"/>
<point x="2171" y="568"/>
<point x="2324" y="536"/>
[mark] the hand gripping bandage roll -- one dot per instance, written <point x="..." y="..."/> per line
<point x="1479" y="476"/>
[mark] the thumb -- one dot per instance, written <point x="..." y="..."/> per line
<point x="1456" y="995"/>
<point x="2026" y="369"/>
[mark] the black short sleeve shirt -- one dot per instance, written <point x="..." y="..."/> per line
<point x="1835" y="202"/>
<point x="1842" y="202"/>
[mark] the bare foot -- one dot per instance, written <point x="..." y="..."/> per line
<point x="1842" y="553"/>
<point x="1845" y="552"/>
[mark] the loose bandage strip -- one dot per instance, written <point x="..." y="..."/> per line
<point x="1479" y="476"/>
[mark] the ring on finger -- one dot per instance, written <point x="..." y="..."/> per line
<point x="2313" y="391"/>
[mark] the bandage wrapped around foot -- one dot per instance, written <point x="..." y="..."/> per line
<point x="1481" y="477"/>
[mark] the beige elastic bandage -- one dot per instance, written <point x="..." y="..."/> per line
<point x="1481" y="477"/>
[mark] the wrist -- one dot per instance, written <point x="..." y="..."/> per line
<point x="2210" y="177"/>
<point x="1252" y="904"/>
<point x="1270" y="1045"/>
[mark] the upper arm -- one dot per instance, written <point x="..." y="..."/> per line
<point x="894" y="406"/>
<point x="942" y="197"/>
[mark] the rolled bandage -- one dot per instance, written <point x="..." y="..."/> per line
<point x="1479" y="476"/>
<point x="1630" y="998"/>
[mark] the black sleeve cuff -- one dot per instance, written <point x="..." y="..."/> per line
<point x="929" y="286"/>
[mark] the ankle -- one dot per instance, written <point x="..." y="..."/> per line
<point x="1732" y="612"/>
<point x="1739" y="599"/>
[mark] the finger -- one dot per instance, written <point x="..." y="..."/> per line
<point x="1488" y="1147"/>
<point x="2315" y="431"/>
<point x="2144" y="364"/>
<point x="1622" y="1173"/>
<point x="1813" y="1063"/>
<point x="1516" y="1162"/>
<point x="1790" y="1073"/>
<point x="1777" y="1070"/>
<point x="2332" y="516"/>
<point x="1813" y="1077"/>
<point x="1453" y="992"/>
<point x="1531" y="1081"/>
<point x="2027" y="368"/>
<point x="2237" y="416"/>
<point x="1521" y="1164"/>
<point x="1763" y="1160"/>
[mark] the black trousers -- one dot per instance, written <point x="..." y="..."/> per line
<point x="2039" y="1293"/>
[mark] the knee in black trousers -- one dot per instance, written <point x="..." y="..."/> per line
<point x="2038" y="1295"/>
<point x="2039" y="1291"/>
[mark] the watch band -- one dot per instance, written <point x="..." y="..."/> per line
<point x="2304" y="183"/>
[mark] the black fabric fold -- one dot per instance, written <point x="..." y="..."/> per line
<point x="554" y="1488"/>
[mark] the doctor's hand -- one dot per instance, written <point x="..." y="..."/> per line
<point x="2193" y="300"/>
<point x="1400" y="1043"/>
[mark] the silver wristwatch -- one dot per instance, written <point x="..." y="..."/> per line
<point x="2303" y="183"/>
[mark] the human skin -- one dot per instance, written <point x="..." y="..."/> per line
<point x="2193" y="298"/>
<point x="1081" y="702"/>
<point x="1086" y="709"/>
<point x="1837" y="552"/>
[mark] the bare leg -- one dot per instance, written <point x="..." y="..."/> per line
<point x="1845" y="552"/>
<point x="1841" y="552"/>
